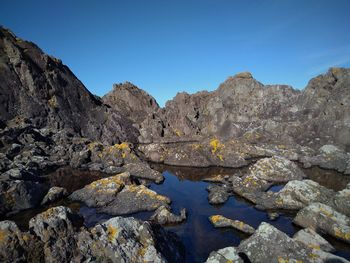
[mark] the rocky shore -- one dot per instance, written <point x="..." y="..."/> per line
<point x="49" y="120"/>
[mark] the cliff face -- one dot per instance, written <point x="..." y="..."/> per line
<point x="38" y="89"/>
<point x="242" y="107"/>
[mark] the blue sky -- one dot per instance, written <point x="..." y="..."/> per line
<point x="168" y="46"/>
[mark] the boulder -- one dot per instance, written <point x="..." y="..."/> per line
<point x="276" y="169"/>
<point x="218" y="194"/>
<point x="324" y="219"/>
<point x="310" y="238"/>
<point x="143" y="171"/>
<point x="55" y="229"/>
<point x="127" y="240"/>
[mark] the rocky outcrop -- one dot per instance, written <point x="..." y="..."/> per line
<point x="38" y="89"/>
<point x="324" y="218"/>
<point x="54" y="237"/>
<point x="227" y="254"/>
<point x="116" y="195"/>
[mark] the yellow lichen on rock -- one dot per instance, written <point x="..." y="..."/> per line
<point x="3" y="235"/>
<point x="112" y="232"/>
<point x="341" y="234"/>
<point x="52" y="102"/>
<point x="215" y="218"/>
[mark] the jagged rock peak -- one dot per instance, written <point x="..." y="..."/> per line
<point x="243" y="75"/>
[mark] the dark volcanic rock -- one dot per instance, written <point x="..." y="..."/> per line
<point x="19" y="195"/>
<point x="37" y="88"/>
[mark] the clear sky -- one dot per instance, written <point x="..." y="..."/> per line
<point x="168" y="46"/>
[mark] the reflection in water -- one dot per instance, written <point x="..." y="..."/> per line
<point x="328" y="178"/>
<point x="184" y="186"/>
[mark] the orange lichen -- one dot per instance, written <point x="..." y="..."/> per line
<point x="3" y="235"/>
<point x="215" y="218"/>
<point x="112" y="232"/>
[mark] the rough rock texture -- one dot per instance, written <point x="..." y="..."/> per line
<point x="225" y="255"/>
<point x="218" y="194"/>
<point x="127" y="240"/>
<point x="221" y="221"/>
<point x="16" y="195"/>
<point x="325" y="219"/>
<point x="164" y="216"/>
<point x="16" y="246"/>
<point x="268" y="244"/>
<point x="39" y="89"/>
<point x="310" y="238"/>
<point x="276" y="169"/>
<point x="54" y="238"/>
<point x="55" y="229"/>
<point x="116" y="195"/>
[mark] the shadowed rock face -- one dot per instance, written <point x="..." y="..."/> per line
<point x="37" y="88"/>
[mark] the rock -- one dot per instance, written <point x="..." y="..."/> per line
<point x="101" y="192"/>
<point x="143" y="171"/>
<point x="55" y="193"/>
<point x="55" y="229"/>
<point x="310" y="238"/>
<point x="41" y="90"/>
<point x="321" y="217"/>
<point x="164" y="216"/>
<point x="329" y="157"/>
<point x="19" y="195"/>
<point x="298" y="194"/>
<point x="19" y="174"/>
<point x="221" y="221"/>
<point x="16" y="246"/>
<point x="132" y="199"/>
<point x="116" y="195"/>
<point x="228" y="254"/>
<point x="127" y="240"/>
<point x="276" y="169"/>
<point x="218" y="194"/>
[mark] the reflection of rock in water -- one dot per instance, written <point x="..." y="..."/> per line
<point x="328" y="178"/>
<point x="73" y="179"/>
<point x="195" y="173"/>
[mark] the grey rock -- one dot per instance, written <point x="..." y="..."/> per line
<point x="164" y="216"/>
<point x="55" y="229"/>
<point x="224" y="255"/>
<point x="310" y="238"/>
<point x="321" y="217"/>
<point x="218" y="194"/>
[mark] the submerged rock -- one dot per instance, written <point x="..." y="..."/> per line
<point x="221" y="221"/>
<point x="164" y="216"/>
<point x="325" y="219"/>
